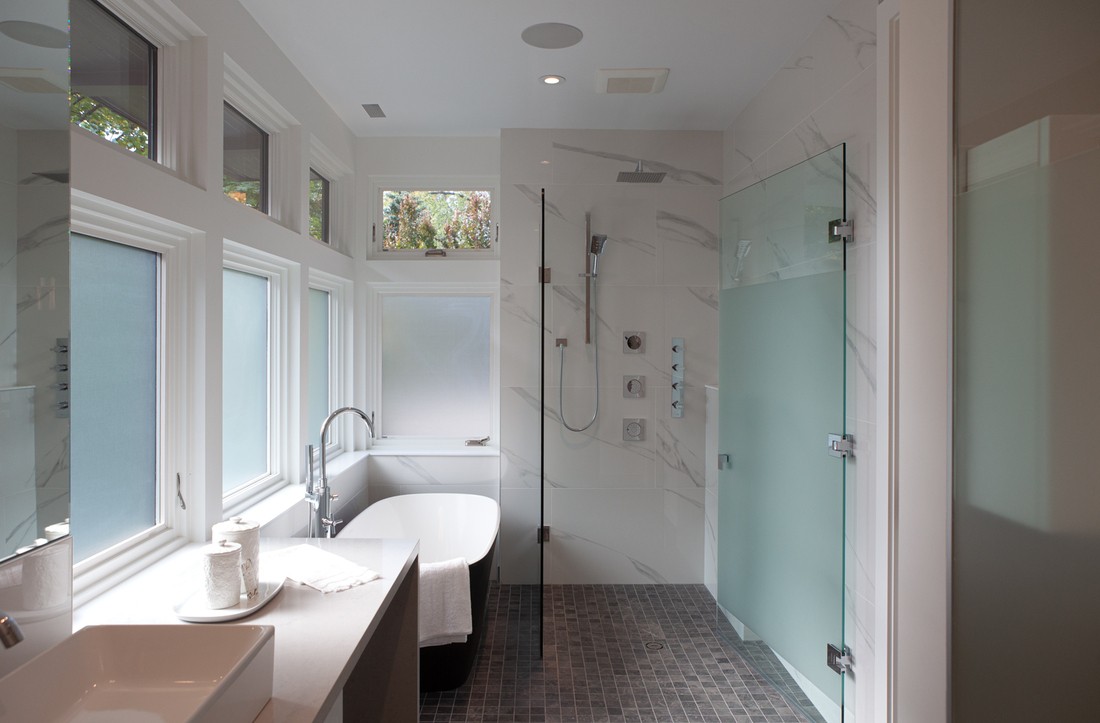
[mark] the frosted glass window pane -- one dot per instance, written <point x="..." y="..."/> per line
<point x="113" y="398"/>
<point x="245" y="387"/>
<point x="318" y="363"/>
<point x="435" y="366"/>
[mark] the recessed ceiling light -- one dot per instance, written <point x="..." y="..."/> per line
<point x="552" y="36"/>
<point x="42" y="36"/>
<point x="545" y="163"/>
<point x="552" y="79"/>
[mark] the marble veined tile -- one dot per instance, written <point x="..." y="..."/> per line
<point x="680" y="444"/>
<point x="687" y="235"/>
<point x="596" y="157"/>
<point x="623" y="537"/>
<point x="837" y="51"/>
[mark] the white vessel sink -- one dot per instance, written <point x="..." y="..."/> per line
<point x="145" y="674"/>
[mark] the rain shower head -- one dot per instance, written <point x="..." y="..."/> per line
<point x="640" y="176"/>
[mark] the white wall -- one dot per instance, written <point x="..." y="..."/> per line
<point x="825" y="95"/>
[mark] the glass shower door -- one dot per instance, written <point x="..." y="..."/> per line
<point x="781" y="393"/>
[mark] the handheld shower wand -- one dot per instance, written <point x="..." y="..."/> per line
<point x="595" y="250"/>
<point x="594" y="246"/>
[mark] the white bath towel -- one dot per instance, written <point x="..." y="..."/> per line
<point x="445" y="615"/>
<point x="321" y="570"/>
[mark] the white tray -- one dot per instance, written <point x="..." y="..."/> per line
<point x="194" y="609"/>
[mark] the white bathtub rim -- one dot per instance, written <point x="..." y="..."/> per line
<point x="448" y="525"/>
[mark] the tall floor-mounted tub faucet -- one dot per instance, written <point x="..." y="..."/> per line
<point x="318" y="495"/>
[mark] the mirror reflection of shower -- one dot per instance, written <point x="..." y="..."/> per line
<point x="593" y="249"/>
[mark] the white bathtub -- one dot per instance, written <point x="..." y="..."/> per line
<point x="448" y="526"/>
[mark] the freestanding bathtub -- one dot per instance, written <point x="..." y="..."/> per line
<point x="448" y="526"/>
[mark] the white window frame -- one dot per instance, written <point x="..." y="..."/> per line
<point x="107" y="220"/>
<point x="380" y="184"/>
<point x="279" y="273"/>
<point x="133" y="23"/>
<point x="251" y="100"/>
<point x="376" y="293"/>
<point x="340" y="191"/>
<point x="340" y="291"/>
<point x="172" y="33"/>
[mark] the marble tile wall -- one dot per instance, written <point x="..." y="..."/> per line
<point x="42" y="306"/>
<point x="823" y="96"/>
<point x="619" y="512"/>
<point x="34" y="312"/>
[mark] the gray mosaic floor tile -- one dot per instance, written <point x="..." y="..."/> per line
<point x="654" y="653"/>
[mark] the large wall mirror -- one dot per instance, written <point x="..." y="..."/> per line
<point x="34" y="273"/>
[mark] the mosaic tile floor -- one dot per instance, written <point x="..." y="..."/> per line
<point x="614" y="653"/>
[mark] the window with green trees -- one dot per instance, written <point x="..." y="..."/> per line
<point x="113" y="79"/>
<point x="436" y="219"/>
<point x="318" y="206"/>
<point x="244" y="158"/>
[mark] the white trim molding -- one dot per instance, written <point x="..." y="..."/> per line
<point x="286" y="203"/>
<point x="920" y="425"/>
<point x="179" y="353"/>
<point x="284" y="398"/>
<point x="375" y="293"/>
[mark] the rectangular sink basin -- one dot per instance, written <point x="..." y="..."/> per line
<point x="145" y="674"/>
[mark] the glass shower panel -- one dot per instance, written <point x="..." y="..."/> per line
<point x="1026" y="512"/>
<point x="781" y="493"/>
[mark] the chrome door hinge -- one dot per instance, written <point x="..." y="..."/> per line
<point x="841" y="229"/>
<point x="839" y="659"/>
<point x="542" y="534"/>
<point x="841" y="445"/>
<point x="544" y="274"/>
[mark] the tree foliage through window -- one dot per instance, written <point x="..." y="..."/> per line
<point x="450" y="219"/>
<point x="92" y="115"/>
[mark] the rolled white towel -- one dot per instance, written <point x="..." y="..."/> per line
<point x="445" y="615"/>
<point x="319" y="569"/>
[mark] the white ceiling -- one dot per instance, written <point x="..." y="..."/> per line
<point x="460" y="68"/>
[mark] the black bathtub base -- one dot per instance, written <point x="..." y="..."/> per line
<point x="446" y="667"/>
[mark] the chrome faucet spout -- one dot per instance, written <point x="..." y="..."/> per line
<point x="10" y="634"/>
<point x="318" y="494"/>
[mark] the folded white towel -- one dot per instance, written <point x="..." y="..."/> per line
<point x="321" y="570"/>
<point x="445" y="615"/>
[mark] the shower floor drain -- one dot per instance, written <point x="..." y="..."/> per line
<point x="655" y="645"/>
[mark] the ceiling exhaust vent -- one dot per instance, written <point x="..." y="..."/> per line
<point x="33" y="80"/>
<point x="374" y="110"/>
<point x="631" y="80"/>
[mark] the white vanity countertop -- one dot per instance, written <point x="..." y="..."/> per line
<point x="318" y="637"/>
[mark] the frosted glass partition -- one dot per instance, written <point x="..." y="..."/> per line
<point x="781" y="497"/>
<point x="246" y="363"/>
<point x="1026" y="514"/>
<point x="435" y="366"/>
<point x="319" y="355"/>
<point x="113" y="380"/>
